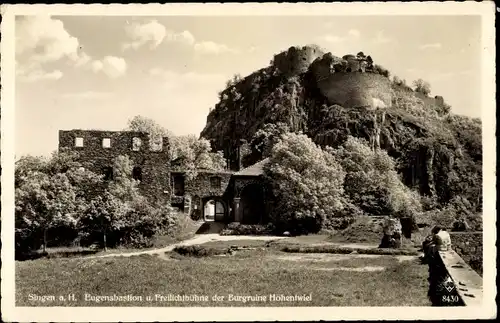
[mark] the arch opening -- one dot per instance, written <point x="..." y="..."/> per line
<point x="214" y="210"/>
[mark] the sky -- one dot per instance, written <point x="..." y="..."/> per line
<point x="97" y="72"/>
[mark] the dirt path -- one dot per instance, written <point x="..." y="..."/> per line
<point x="198" y="239"/>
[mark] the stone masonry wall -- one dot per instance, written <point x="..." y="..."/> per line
<point x="154" y="165"/>
<point x="469" y="246"/>
<point x="200" y="190"/>
<point x="296" y="60"/>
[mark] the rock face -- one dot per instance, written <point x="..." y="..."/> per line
<point x="329" y="98"/>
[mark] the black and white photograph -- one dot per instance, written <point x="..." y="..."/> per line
<point x="252" y="161"/>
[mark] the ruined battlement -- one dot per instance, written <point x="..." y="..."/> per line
<point x="109" y="142"/>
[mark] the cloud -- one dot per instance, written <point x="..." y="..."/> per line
<point x="157" y="33"/>
<point x="112" y="66"/>
<point x="354" y="33"/>
<point x="44" y="39"/>
<point x="380" y="38"/>
<point x="151" y="33"/>
<point x="430" y="46"/>
<point x="184" y="37"/>
<point x="38" y="75"/>
<point x="210" y="47"/>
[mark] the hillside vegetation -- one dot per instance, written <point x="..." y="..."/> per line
<point x="436" y="153"/>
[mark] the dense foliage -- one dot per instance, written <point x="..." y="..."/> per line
<point x="59" y="203"/>
<point x="315" y="188"/>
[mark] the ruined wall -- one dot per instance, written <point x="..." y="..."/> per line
<point x="356" y="89"/>
<point x="154" y="165"/>
<point x="469" y="246"/>
<point x="296" y="60"/>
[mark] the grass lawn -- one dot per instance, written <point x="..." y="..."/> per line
<point x="187" y="231"/>
<point x="248" y="273"/>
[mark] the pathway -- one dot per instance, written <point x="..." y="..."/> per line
<point x="198" y="239"/>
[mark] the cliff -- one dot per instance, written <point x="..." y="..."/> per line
<point x="329" y="98"/>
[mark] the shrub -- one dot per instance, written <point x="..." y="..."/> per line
<point x="381" y="70"/>
<point x="235" y="228"/>
<point x="200" y="251"/>
<point x="422" y="86"/>
<point x="339" y="223"/>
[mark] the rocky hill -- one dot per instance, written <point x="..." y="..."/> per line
<point x="329" y="97"/>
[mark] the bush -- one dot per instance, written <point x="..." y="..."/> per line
<point x="335" y="224"/>
<point x="200" y="251"/>
<point x="236" y="228"/>
<point x="381" y="70"/>
<point x="422" y="86"/>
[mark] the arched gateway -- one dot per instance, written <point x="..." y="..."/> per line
<point x="214" y="209"/>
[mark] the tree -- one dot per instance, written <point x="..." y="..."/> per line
<point x="49" y="195"/>
<point x="110" y="211"/>
<point x="235" y="80"/>
<point x="192" y="153"/>
<point x="306" y="182"/>
<point x="396" y="80"/>
<point x="372" y="182"/>
<point x="422" y="86"/>
<point x="188" y="151"/>
<point x="369" y="63"/>
<point x="104" y="214"/>
<point x="155" y="130"/>
<point x="44" y="202"/>
<point x="26" y="165"/>
<point x="265" y="138"/>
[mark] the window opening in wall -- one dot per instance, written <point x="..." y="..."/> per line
<point x="215" y="182"/>
<point x="108" y="173"/>
<point x="155" y="143"/>
<point x="78" y="142"/>
<point x="136" y="144"/>
<point x="106" y="143"/>
<point x="137" y="173"/>
<point x="178" y="183"/>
